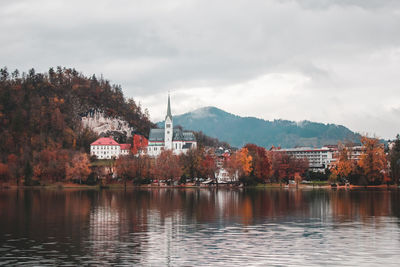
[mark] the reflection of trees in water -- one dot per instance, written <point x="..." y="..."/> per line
<point x="116" y="221"/>
<point x="363" y="204"/>
<point x="51" y="219"/>
<point x="227" y="206"/>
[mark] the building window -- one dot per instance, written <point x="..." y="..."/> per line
<point x="168" y="126"/>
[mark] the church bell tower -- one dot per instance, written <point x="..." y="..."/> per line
<point x="168" y="127"/>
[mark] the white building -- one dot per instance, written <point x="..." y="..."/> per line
<point x="318" y="158"/>
<point x="169" y="138"/>
<point x="125" y="149"/>
<point x="108" y="148"/>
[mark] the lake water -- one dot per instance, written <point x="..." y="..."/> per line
<point x="206" y="227"/>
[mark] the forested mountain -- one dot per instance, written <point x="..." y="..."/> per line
<point x="239" y="131"/>
<point x="42" y="111"/>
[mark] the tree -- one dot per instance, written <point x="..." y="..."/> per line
<point x="394" y="159"/>
<point x="260" y="164"/>
<point x="40" y="113"/>
<point x="126" y="168"/>
<point x="143" y="168"/>
<point x="167" y="166"/>
<point x="239" y="164"/>
<point x="78" y="167"/>
<point x="208" y="165"/>
<point x="245" y="161"/>
<point x="373" y="161"/>
<point x="50" y="165"/>
<point x="3" y="172"/>
<point x="344" y="166"/>
<point x="14" y="170"/>
<point x="285" y="167"/>
<point x="232" y="166"/>
<point x="280" y="166"/>
<point x="298" y="167"/>
<point x="28" y="173"/>
<point x="191" y="162"/>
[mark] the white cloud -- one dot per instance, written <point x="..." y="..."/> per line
<point x="331" y="61"/>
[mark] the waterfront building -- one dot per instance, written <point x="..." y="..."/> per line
<point x="318" y="158"/>
<point x="108" y="148"/>
<point x="321" y="158"/>
<point x="177" y="140"/>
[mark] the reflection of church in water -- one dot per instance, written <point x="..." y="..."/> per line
<point x="177" y="140"/>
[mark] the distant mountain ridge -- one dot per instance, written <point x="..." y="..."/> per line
<point x="239" y="131"/>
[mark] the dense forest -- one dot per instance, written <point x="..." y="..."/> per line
<point x="40" y="114"/>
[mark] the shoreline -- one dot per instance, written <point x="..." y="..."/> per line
<point x="67" y="186"/>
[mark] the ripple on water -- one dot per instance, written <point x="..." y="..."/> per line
<point x="159" y="228"/>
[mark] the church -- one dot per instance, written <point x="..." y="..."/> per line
<point x="169" y="138"/>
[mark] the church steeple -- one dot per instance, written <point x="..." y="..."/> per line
<point x="169" y="127"/>
<point x="169" y="109"/>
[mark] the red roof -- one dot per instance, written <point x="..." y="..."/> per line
<point x="104" y="141"/>
<point x="125" y="146"/>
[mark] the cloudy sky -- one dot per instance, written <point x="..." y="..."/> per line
<point x="331" y="61"/>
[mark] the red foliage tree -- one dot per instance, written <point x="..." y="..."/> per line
<point x="208" y="165"/>
<point x="51" y="165"/>
<point x="261" y="164"/>
<point x="126" y="168"/>
<point x="167" y="166"/>
<point x="285" y="167"/>
<point x="3" y="172"/>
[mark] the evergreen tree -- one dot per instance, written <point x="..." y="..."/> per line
<point x="394" y="158"/>
<point x="28" y="173"/>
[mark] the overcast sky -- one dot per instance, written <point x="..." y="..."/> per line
<point x="331" y="61"/>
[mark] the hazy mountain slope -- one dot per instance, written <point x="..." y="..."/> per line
<point x="238" y="130"/>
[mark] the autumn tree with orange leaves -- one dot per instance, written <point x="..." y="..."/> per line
<point x="373" y="162"/>
<point x="245" y="161"/>
<point x="78" y="167"/>
<point x="344" y="165"/>
<point x="239" y="164"/>
<point x="260" y="163"/>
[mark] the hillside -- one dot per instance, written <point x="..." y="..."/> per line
<point x="45" y="111"/>
<point x="239" y="131"/>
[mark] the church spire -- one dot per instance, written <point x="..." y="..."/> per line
<point x="169" y="108"/>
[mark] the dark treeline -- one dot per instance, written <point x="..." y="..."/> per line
<point x="39" y="113"/>
<point x="207" y="141"/>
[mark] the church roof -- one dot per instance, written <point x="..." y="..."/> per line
<point x="178" y="135"/>
<point x="156" y="135"/>
<point x="189" y="136"/>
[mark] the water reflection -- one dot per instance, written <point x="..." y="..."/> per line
<point x="199" y="227"/>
